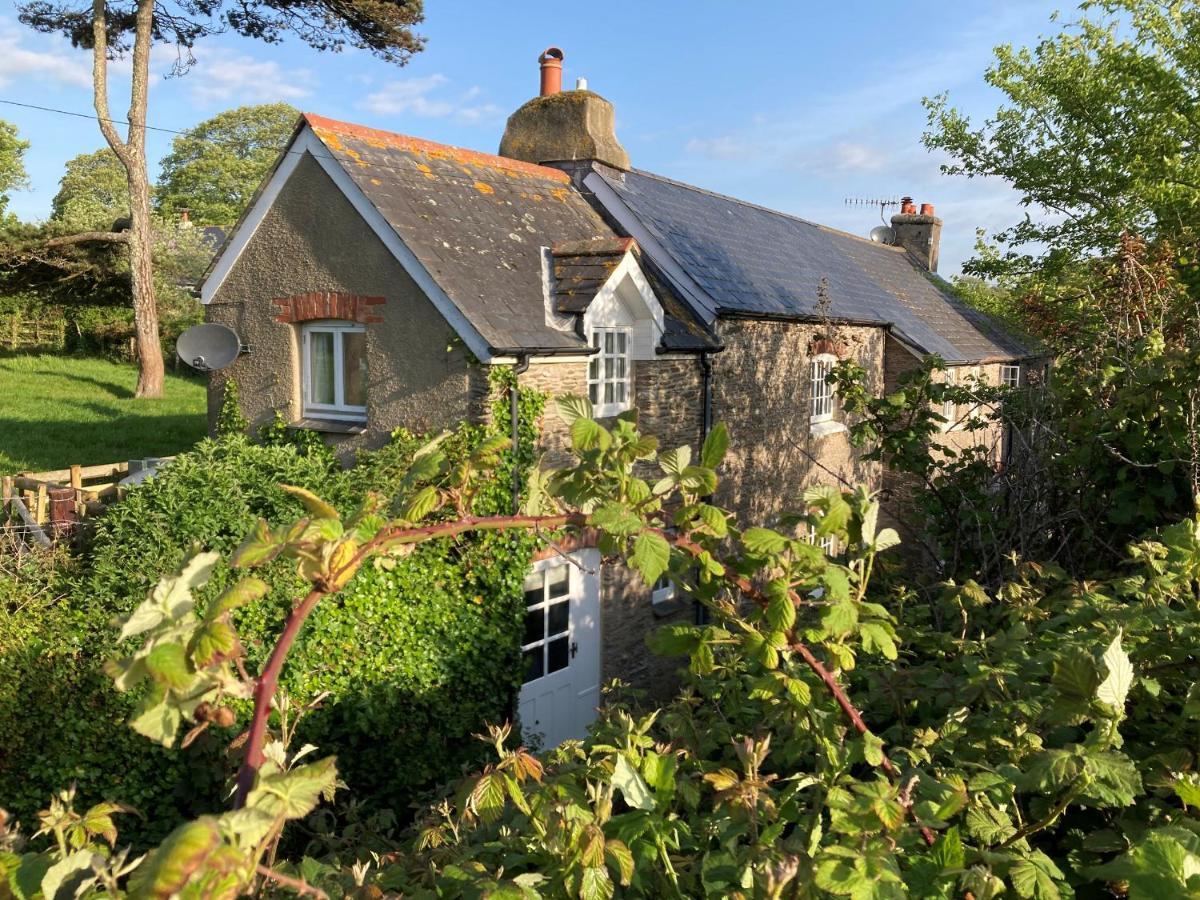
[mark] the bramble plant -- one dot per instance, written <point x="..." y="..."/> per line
<point x="827" y="743"/>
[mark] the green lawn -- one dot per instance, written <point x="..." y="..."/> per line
<point x="57" y="410"/>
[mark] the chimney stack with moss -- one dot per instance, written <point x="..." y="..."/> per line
<point x="920" y="233"/>
<point x="563" y="126"/>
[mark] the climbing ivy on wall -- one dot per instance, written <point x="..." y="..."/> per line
<point x="419" y="652"/>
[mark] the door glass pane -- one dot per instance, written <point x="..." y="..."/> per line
<point x="608" y="392"/>
<point x="608" y="342"/>
<point x="533" y="588"/>
<point x="559" y="618"/>
<point x="320" y="367"/>
<point x="354" y="355"/>
<point x="594" y="392"/>
<point x="533" y="663"/>
<point x="535" y="622"/>
<point x="559" y="580"/>
<point x="621" y="338"/>
<point x="557" y="655"/>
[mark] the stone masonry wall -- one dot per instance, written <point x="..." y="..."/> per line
<point x="761" y="391"/>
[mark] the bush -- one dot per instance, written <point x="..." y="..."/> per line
<point x="445" y="619"/>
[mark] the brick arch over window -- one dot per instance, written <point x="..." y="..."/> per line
<point x="327" y="305"/>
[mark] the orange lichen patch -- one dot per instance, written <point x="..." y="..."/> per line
<point x="376" y="181"/>
<point x="560" y="194"/>
<point x="329" y="131"/>
<point x="484" y="188"/>
<point x="426" y="171"/>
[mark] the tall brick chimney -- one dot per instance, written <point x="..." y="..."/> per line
<point x="920" y="233"/>
<point x="563" y="126"/>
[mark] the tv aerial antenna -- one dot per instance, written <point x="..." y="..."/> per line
<point x="884" y="233"/>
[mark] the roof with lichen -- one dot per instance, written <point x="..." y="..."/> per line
<point x="751" y="261"/>
<point x="478" y="224"/>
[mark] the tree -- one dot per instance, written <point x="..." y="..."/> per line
<point x="109" y="29"/>
<point x="214" y="169"/>
<point x="12" y="162"/>
<point x="92" y="193"/>
<point x="1098" y="132"/>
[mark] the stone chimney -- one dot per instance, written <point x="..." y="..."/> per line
<point x="563" y="126"/>
<point x="920" y="233"/>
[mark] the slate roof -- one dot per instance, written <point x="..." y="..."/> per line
<point x="581" y="268"/>
<point x="749" y="260"/>
<point x="477" y="223"/>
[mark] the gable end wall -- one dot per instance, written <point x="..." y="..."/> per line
<point x="310" y="252"/>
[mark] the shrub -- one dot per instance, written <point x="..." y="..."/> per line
<point x="445" y="619"/>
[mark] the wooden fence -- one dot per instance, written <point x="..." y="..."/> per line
<point x="23" y="331"/>
<point x="41" y="508"/>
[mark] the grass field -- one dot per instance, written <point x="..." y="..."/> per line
<point x="58" y="410"/>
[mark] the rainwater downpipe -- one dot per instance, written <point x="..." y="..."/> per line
<point x="706" y="423"/>
<point x="514" y="407"/>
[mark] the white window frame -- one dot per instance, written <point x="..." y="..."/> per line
<point x="821" y="406"/>
<point x="1010" y="376"/>
<point x="949" y="407"/>
<point x="600" y="358"/>
<point x="542" y="608"/>
<point x="827" y="543"/>
<point x="663" y="590"/>
<point x="339" y="410"/>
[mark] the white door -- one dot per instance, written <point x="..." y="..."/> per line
<point x="561" y="648"/>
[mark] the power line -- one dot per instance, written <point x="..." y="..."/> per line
<point x="79" y="115"/>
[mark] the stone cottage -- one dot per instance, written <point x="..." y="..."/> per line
<point x="376" y="278"/>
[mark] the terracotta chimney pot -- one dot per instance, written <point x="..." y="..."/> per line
<point x="907" y="207"/>
<point x="927" y="209"/>
<point x="551" y="61"/>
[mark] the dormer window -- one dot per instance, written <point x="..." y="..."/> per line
<point x="608" y="371"/>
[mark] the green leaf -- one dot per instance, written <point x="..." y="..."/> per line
<point x="1163" y="865"/>
<point x="316" y="507"/>
<point x="1114" y="779"/>
<point x="1036" y="876"/>
<point x="1187" y="789"/>
<point x="872" y="749"/>
<point x="64" y="877"/>
<point x="588" y="434"/>
<point x="171" y="598"/>
<point x="764" y="541"/>
<point x="877" y="636"/>
<point x="651" y="555"/>
<point x="1076" y="675"/>
<point x="675" y="461"/>
<point x="159" y="721"/>
<point x="295" y="793"/>
<point x="169" y="868"/>
<point x="572" y="407"/>
<point x="674" y="640"/>
<point x="213" y="641"/>
<point x="840" y="618"/>
<point x="620" y="858"/>
<point x="617" y="519"/>
<point x="1115" y="687"/>
<point x="781" y="611"/>
<point x="633" y="788"/>
<point x="595" y="884"/>
<point x="714" y="519"/>
<point x="259" y="546"/>
<point x="247" y="590"/>
<point x="715" y="445"/>
<point x="421" y="504"/>
<point x="886" y="539"/>
<point x="167" y="664"/>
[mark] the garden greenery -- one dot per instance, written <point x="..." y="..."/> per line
<point x="833" y="739"/>
<point x="403" y="634"/>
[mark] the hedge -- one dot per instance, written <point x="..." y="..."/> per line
<point x="416" y="656"/>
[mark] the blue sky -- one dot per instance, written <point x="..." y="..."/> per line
<point x="794" y="105"/>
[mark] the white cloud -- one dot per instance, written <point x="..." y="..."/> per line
<point x="223" y="76"/>
<point x="723" y="147"/>
<point x="56" y="62"/>
<point x="424" y="97"/>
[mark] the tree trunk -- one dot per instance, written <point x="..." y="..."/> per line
<point x="132" y="154"/>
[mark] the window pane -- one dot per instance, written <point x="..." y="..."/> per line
<point x="557" y="655"/>
<point x="559" y="579"/>
<point x="320" y="367"/>
<point x="354" y="357"/>
<point x="594" y="392"/>
<point x="594" y="368"/>
<point x="535" y="626"/>
<point x="533" y="663"/>
<point x="533" y="588"/>
<point x="620" y="392"/>
<point x="608" y="342"/>
<point x="560" y="616"/>
<point x="608" y="392"/>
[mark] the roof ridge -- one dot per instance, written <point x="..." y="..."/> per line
<point x="420" y="145"/>
<point x="766" y="209"/>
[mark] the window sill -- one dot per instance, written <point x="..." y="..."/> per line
<point x="663" y="609"/>
<point x="609" y="410"/>
<point x="823" y="429"/>
<point x="329" y="426"/>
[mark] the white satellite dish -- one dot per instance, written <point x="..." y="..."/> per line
<point x="209" y="347"/>
<point x="883" y="234"/>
